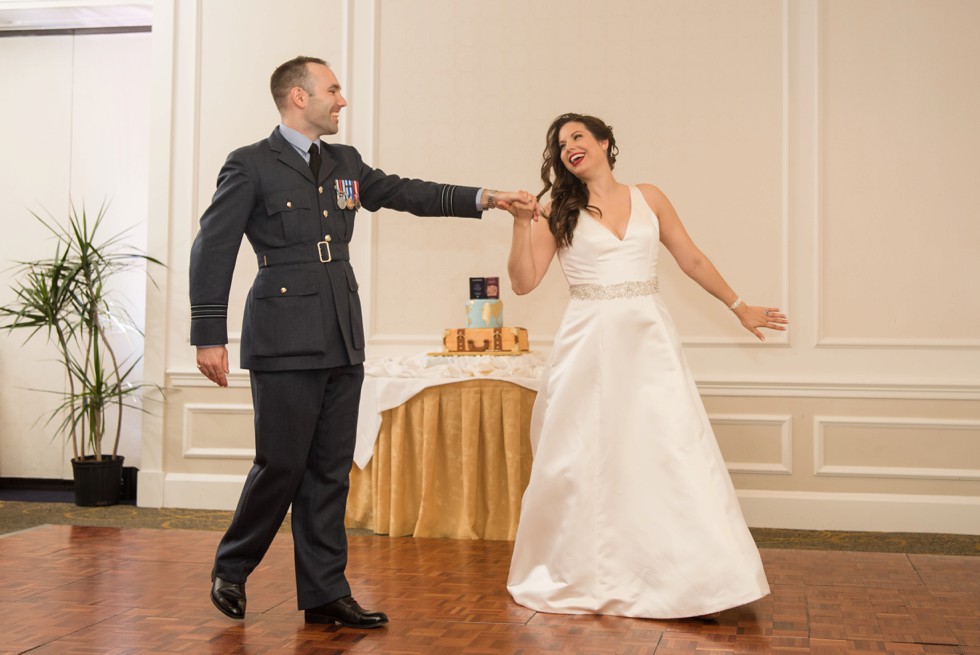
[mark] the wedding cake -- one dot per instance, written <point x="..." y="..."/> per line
<point x="485" y="333"/>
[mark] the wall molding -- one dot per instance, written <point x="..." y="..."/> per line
<point x="190" y="451"/>
<point x="361" y="66"/>
<point x="762" y="508"/>
<point x="794" y="388"/>
<point x="821" y="468"/>
<point x="898" y="344"/>
<point x="183" y="377"/>
<point x="785" y="424"/>
<point x="163" y="204"/>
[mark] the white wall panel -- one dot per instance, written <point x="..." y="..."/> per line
<point x="755" y="443"/>
<point x="215" y="430"/>
<point x="901" y="160"/>
<point x="943" y="449"/>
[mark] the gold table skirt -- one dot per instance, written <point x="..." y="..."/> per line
<point x="453" y="461"/>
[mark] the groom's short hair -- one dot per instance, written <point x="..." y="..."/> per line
<point x="292" y="73"/>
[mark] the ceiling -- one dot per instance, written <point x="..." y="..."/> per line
<point x="61" y="15"/>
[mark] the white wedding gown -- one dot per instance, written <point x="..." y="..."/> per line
<point x="630" y="510"/>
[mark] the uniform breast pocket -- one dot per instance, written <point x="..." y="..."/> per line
<point x="291" y="208"/>
<point x="287" y="318"/>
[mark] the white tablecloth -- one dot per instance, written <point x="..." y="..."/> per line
<point x="390" y="382"/>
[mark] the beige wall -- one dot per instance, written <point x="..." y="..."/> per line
<point x="822" y="163"/>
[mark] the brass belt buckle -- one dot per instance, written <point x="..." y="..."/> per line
<point x="319" y="247"/>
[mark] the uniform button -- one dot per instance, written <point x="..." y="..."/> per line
<point x="289" y="204"/>
<point x="283" y="290"/>
<point x="321" y="189"/>
<point x="325" y="213"/>
<point x="326" y="237"/>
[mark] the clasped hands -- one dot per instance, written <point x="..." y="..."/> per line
<point x="521" y="204"/>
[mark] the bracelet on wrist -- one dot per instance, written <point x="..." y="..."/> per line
<point x="734" y="305"/>
<point x="491" y="198"/>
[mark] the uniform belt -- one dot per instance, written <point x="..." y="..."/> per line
<point x="321" y="251"/>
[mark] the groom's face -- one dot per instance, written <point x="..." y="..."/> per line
<point x="325" y="100"/>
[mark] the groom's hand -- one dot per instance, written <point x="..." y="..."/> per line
<point x="520" y="204"/>
<point x="212" y="362"/>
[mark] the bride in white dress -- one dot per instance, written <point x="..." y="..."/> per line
<point x="630" y="510"/>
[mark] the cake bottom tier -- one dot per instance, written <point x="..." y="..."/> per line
<point x="485" y="341"/>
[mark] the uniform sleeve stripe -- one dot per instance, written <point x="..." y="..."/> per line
<point x="209" y="311"/>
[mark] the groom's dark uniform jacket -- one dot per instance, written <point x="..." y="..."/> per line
<point x="301" y="313"/>
<point x="302" y="339"/>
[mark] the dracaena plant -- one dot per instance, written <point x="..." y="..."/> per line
<point x="67" y="300"/>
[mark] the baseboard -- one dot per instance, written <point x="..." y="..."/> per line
<point x="189" y="490"/>
<point x="61" y="490"/>
<point x="149" y="492"/>
<point x="202" y="491"/>
<point x="762" y="509"/>
<point x="37" y="484"/>
<point x="861" y="512"/>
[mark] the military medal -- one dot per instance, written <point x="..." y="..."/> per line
<point x="348" y="194"/>
<point x="341" y="195"/>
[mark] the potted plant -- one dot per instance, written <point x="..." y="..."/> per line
<point x="67" y="299"/>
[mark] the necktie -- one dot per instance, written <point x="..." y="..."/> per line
<point x="315" y="161"/>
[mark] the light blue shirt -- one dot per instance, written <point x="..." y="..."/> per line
<point x="297" y="140"/>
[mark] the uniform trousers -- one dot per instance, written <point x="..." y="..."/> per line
<point x="305" y="428"/>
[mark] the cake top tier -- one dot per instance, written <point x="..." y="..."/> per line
<point x="484" y="287"/>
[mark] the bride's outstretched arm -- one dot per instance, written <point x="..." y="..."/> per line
<point x="532" y="248"/>
<point x="699" y="268"/>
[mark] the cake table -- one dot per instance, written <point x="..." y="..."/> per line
<point x="443" y="446"/>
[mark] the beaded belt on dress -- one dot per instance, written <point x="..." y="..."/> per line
<point x="629" y="289"/>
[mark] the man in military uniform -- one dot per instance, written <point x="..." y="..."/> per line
<point x="295" y="198"/>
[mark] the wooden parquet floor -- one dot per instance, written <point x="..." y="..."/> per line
<point x="73" y="589"/>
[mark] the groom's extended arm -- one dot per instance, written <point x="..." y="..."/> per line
<point x="379" y="189"/>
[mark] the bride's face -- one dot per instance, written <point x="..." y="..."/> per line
<point x="580" y="151"/>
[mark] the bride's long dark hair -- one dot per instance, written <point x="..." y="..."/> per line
<point x="568" y="193"/>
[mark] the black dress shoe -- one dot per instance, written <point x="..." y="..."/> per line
<point x="346" y="611"/>
<point x="228" y="597"/>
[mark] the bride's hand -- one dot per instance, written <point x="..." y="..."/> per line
<point x="523" y="208"/>
<point x="753" y="318"/>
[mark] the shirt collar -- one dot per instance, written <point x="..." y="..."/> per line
<point x="296" y="139"/>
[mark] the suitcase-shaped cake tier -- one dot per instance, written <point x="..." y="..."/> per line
<point x="485" y="341"/>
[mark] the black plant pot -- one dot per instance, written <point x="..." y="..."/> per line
<point x="97" y="483"/>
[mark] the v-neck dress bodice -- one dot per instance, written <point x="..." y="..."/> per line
<point x="598" y="256"/>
